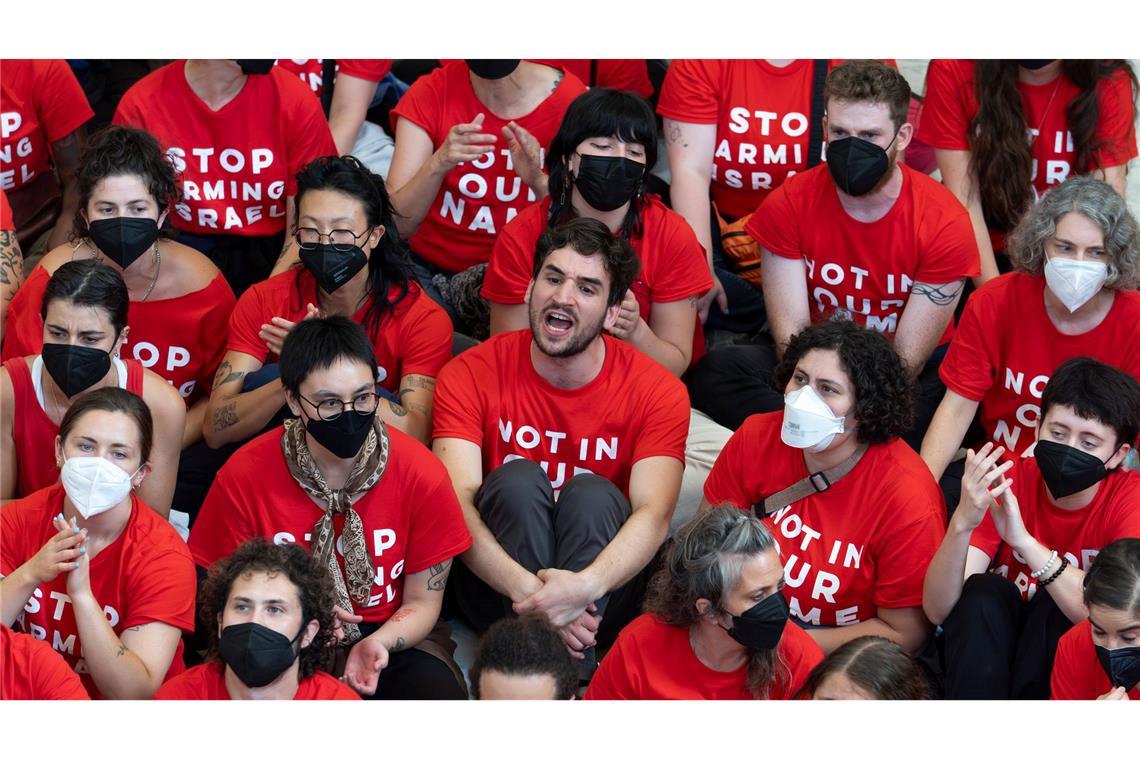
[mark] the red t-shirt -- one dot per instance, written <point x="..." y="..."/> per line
<point x="311" y="70"/>
<point x="1077" y="673"/>
<point x="6" y="222"/>
<point x="630" y="75"/>
<point x="951" y="105"/>
<point x="865" y="270"/>
<point x="476" y="198"/>
<point x="762" y="115"/>
<point x="30" y="669"/>
<point x="673" y="265"/>
<point x="34" y="435"/>
<point x="860" y="545"/>
<point x="1076" y="534"/>
<point x="145" y="576"/>
<point x="182" y="340"/>
<point x="412" y="519"/>
<point x="236" y="165"/>
<point x="40" y="102"/>
<point x="413" y="340"/>
<point x="654" y="660"/>
<point x="492" y="396"/>
<point x="208" y="681"/>
<point x="1005" y="364"/>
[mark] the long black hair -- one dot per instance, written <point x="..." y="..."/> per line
<point x="388" y="264"/>
<point x="600" y="112"/>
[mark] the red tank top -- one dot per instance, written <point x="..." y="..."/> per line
<point x="33" y="432"/>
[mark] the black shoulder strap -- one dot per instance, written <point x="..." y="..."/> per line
<point x="328" y="81"/>
<point x="815" y="133"/>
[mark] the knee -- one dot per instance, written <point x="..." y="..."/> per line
<point x="514" y="486"/>
<point x="984" y="595"/>
<point x="591" y="497"/>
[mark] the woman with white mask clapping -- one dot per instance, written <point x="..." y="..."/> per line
<point x="1076" y="259"/>
<point x="88" y="566"/>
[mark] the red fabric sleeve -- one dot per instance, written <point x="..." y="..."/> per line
<point x="438" y="531"/>
<point x="631" y="75"/>
<point x="612" y="680"/>
<point x="61" y="105"/>
<point x="222" y="524"/>
<point x="512" y="261"/>
<point x="726" y="482"/>
<point x="1116" y="123"/>
<point x="423" y="105"/>
<point x="15" y="535"/>
<point x="53" y="678"/>
<point x="184" y="686"/>
<point x="665" y="423"/>
<point x="689" y="93"/>
<point x="1065" y="682"/>
<point x="685" y="271"/>
<point x="215" y="330"/>
<point x="6" y="223"/>
<point x="246" y="319"/>
<point x="425" y="338"/>
<point x="904" y="555"/>
<point x="164" y="590"/>
<point x="775" y="225"/>
<point x="371" y="69"/>
<point x="946" y="108"/>
<point x="970" y="366"/>
<point x="308" y="134"/>
<point x="129" y="110"/>
<point x="458" y="408"/>
<point x="949" y="252"/>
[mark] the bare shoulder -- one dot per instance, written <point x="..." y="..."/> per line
<point x="160" y="395"/>
<point x="190" y="268"/>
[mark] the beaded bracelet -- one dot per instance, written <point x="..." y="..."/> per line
<point x="1054" y="576"/>
<point x="1044" y="568"/>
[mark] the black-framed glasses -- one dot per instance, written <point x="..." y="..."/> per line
<point x="341" y="240"/>
<point x="331" y="408"/>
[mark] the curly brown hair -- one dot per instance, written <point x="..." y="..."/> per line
<point x="120" y="150"/>
<point x="884" y="395"/>
<point x="314" y="589"/>
<point x="869" y="80"/>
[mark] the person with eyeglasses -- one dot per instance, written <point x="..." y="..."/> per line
<point x="370" y="504"/>
<point x="354" y="265"/>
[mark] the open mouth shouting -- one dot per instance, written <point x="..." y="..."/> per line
<point x="557" y="323"/>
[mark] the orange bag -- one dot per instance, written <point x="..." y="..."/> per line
<point x="740" y="249"/>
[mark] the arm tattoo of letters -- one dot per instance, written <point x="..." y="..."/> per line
<point x="438" y="578"/>
<point x="225" y="417"/>
<point x="942" y="295"/>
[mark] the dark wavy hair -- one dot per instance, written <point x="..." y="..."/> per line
<point x="588" y="237"/>
<point x="600" y="112"/>
<point x="1000" y="155"/>
<point x="119" y="150"/>
<point x="704" y="562"/>
<point x="113" y="400"/>
<point x="1113" y="579"/>
<point x="876" y="665"/>
<point x="1096" y="391"/>
<point x="318" y="343"/>
<point x="87" y="282"/>
<point x="884" y="396"/>
<point x="388" y="264"/>
<point x="314" y="589"/>
<point x="526" y="645"/>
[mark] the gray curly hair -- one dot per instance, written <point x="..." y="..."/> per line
<point x="1103" y="206"/>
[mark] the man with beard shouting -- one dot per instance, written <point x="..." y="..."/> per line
<point x="565" y="447"/>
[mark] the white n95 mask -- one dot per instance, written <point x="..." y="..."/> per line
<point x="93" y="484"/>
<point x="1075" y="282"/>
<point x="808" y="421"/>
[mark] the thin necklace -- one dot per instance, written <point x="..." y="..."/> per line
<point x="157" y="265"/>
<point x="1045" y="113"/>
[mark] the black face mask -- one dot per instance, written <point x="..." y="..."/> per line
<point x="1122" y="666"/>
<point x="761" y="626"/>
<point x="255" y="66"/>
<point x="333" y="268"/>
<point x="123" y="239"/>
<point x="75" y="368"/>
<point x="343" y="436"/>
<point x="1067" y="470"/>
<point x="608" y="182"/>
<point x="492" y="68"/>
<point x="857" y="165"/>
<point x="257" y="655"/>
<point x="1034" y="64"/>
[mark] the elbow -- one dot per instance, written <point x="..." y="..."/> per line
<point x="933" y="614"/>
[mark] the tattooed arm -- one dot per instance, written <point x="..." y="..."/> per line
<point x="408" y="626"/>
<point x="929" y="308"/>
<point x="231" y="415"/>
<point x="66" y="153"/>
<point x="413" y="414"/>
<point x="11" y="273"/>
